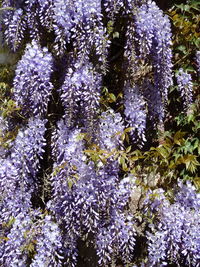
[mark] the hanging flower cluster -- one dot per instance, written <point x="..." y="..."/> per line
<point x="38" y="233"/>
<point x="80" y="94"/>
<point x="198" y="61"/>
<point x="32" y="86"/>
<point x="152" y="34"/>
<point x="184" y="81"/>
<point x="135" y="112"/>
<point x="57" y="86"/>
<point x="111" y="128"/>
<point x="174" y="238"/>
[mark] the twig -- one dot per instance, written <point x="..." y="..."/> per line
<point x="7" y="8"/>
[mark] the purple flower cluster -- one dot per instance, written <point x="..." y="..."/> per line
<point x="78" y="21"/>
<point x="15" y="26"/>
<point x="49" y="244"/>
<point x="111" y="128"/>
<point x="69" y="165"/>
<point x="32" y="85"/>
<point x="33" y="232"/>
<point x="26" y="16"/>
<point x="114" y="7"/>
<point x="14" y="251"/>
<point x="28" y="146"/>
<point x="89" y="201"/>
<point x="135" y="112"/>
<point x="156" y="107"/>
<point x="69" y="14"/>
<point x="185" y="87"/>
<point x="198" y="61"/>
<point x="153" y="38"/>
<point x="3" y="129"/>
<point x="80" y="94"/>
<point x="147" y="51"/>
<point x="174" y="237"/>
<point x="18" y="173"/>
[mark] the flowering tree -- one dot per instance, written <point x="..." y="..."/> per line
<point x="61" y="182"/>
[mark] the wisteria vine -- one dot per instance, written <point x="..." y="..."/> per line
<point x="64" y="48"/>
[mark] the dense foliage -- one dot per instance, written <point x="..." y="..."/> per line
<point x="99" y="134"/>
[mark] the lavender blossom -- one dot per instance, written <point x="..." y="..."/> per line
<point x="28" y="146"/>
<point x="117" y="240"/>
<point x="130" y="54"/>
<point x="29" y="15"/>
<point x="88" y="200"/>
<point x="147" y="49"/>
<point x="3" y="130"/>
<point x="15" y="253"/>
<point x="113" y="7"/>
<point x="69" y="168"/>
<point x="33" y="22"/>
<point x="68" y="152"/>
<point x="14" y="197"/>
<point x="174" y="237"/>
<point x="111" y="128"/>
<point x="33" y="232"/>
<point x="32" y="85"/>
<point x="12" y="3"/>
<point x="49" y="245"/>
<point x="45" y="11"/>
<point x="81" y="21"/>
<point x="198" y="61"/>
<point x="15" y="25"/>
<point x="80" y="94"/>
<point x="155" y="104"/>
<point x="93" y="203"/>
<point x="153" y="35"/>
<point x="185" y="87"/>
<point x="186" y="196"/>
<point x="135" y="112"/>
<point x="19" y="171"/>
<point x="69" y="13"/>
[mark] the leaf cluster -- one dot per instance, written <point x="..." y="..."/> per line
<point x="177" y="154"/>
<point x="186" y="36"/>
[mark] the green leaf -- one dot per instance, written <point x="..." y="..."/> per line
<point x="128" y="149"/>
<point x="122" y="160"/>
<point x="178" y="137"/>
<point x="80" y="136"/>
<point x="129" y="129"/>
<point x="182" y="48"/>
<point x="10" y="222"/>
<point x="116" y="35"/>
<point x="70" y="183"/>
<point x="163" y="152"/>
<point x="112" y="97"/>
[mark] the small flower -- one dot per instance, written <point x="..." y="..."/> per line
<point x="185" y="87"/>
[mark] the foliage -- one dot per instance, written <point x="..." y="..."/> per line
<point x="185" y="18"/>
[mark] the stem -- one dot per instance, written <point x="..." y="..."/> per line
<point x="7" y="8"/>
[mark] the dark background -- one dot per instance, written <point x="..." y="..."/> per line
<point x="167" y="4"/>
